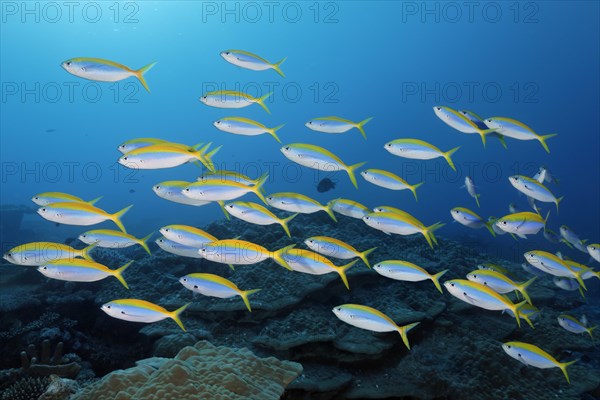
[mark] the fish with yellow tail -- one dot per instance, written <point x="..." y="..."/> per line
<point x="468" y="218"/>
<point x="472" y="189"/>
<point x="187" y="235"/>
<point x="241" y="252"/>
<point x="159" y="156"/>
<point x="389" y="180"/>
<point x="408" y="272"/>
<point x="517" y="130"/>
<point x="522" y="224"/>
<point x="75" y="270"/>
<point x="533" y="189"/>
<point x="349" y="208"/>
<point x="215" y="286"/>
<point x="336" y="125"/>
<point x="233" y="99"/>
<point x="484" y="297"/>
<point x="247" y="60"/>
<point x="43" y="199"/>
<point x="460" y="122"/>
<point x="318" y="158"/>
<point x="138" y="143"/>
<point x="38" y="253"/>
<point x="172" y="191"/>
<point x="532" y="355"/>
<point x="575" y="326"/>
<point x="553" y="265"/>
<point x="100" y="70"/>
<point x="245" y="127"/>
<point x="373" y="320"/>
<point x="332" y="247"/>
<point x="419" y="150"/>
<point x="111" y="239"/>
<point x="312" y="263"/>
<point x="257" y="214"/>
<point x="82" y="214"/>
<point x="135" y="310"/>
<point x="499" y="282"/>
<point x="298" y="203"/>
<point x="390" y="222"/>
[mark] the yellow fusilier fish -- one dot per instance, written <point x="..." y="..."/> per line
<point x="135" y="310"/>
<point x="533" y="189"/>
<point x="499" y="282"/>
<point x="111" y="239"/>
<point x="316" y="157"/>
<point x="472" y="189"/>
<point x="97" y="69"/>
<point x="312" y="263"/>
<point x="80" y="214"/>
<point x="389" y="180"/>
<point x="43" y="199"/>
<point x="336" y="125"/>
<point x="160" y="156"/>
<point x="553" y="265"/>
<point x="493" y="267"/>
<point x="573" y="325"/>
<point x="298" y="203"/>
<point x="38" y="253"/>
<point x="75" y="270"/>
<point x="187" y="235"/>
<point x="419" y="150"/>
<point x="407" y="271"/>
<point x="531" y="355"/>
<point x="245" y="59"/>
<point x="233" y="99"/>
<point x="241" y="252"/>
<point x="390" y="222"/>
<point x="522" y="224"/>
<point x="225" y="175"/>
<point x="372" y="320"/>
<point x="245" y="127"/>
<point x="257" y="214"/>
<point x="594" y="251"/>
<point x="215" y="286"/>
<point x="172" y="191"/>
<point x="460" y="122"/>
<point x="220" y="191"/>
<point x="394" y="210"/>
<point x="332" y="247"/>
<point x="517" y="130"/>
<point x="349" y="208"/>
<point x="484" y="297"/>
<point x="468" y="218"/>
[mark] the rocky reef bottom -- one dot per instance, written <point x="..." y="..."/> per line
<point x="54" y="337"/>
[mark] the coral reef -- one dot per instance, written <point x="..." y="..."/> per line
<point x="46" y="364"/>
<point x="218" y="373"/>
<point x="26" y="388"/>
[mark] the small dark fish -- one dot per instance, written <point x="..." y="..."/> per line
<point x="131" y="190"/>
<point x="325" y="185"/>
<point x="50" y="130"/>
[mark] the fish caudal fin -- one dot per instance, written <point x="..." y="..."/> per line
<point x="360" y="126"/>
<point x="94" y="201"/>
<point x="342" y="272"/>
<point x="364" y="254"/>
<point x="118" y="273"/>
<point x="328" y="208"/>
<point x="436" y="280"/>
<point x="558" y="201"/>
<point x="85" y="252"/>
<point x="261" y="101"/>
<point x="563" y="368"/>
<point x="144" y="242"/>
<point x="140" y="75"/>
<point x="245" y="295"/>
<point x="448" y="156"/>
<point x="522" y="288"/>
<point x="428" y="233"/>
<point x="277" y="67"/>
<point x="273" y="130"/>
<point x="488" y="225"/>
<point x="277" y="256"/>
<point x="543" y="139"/>
<point x="257" y="189"/>
<point x="413" y="189"/>
<point x="175" y="315"/>
<point x="116" y="218"/>
<point x="502" y="140"/>
<point x="221" y="204"/>
<point x="590" y="330"/>
<point x="351" y="169"/>
<point x="477" y="200"/>
<point x="403" y="330"/>
<point x="284" y="223"/>
<point x="516" y="311"/>
<point x="578" y="275"/>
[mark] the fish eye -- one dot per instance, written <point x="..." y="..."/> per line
<point x="204" y="97"/>
<point x="438" y="108"/>
<point x="287" y="147"/>
<point x="389" y="145"/>
<point x="218" y="122"/>
<point x="43" y="209"/>
<point x="68" y="63"/>
<point x="184" y="279"/>
<point x="122" y="312"/>
<point x="187" y="189"/>
<point x="507" y="346"/>
<point x="125" y="158"/>
<point x="227" y="53"/>
<point x="166" y="229"/>
<point x="107" y="306"/>
<point x="156" y="187"/>
<point x="452" y="284"/>
<point x="231" y="206"/>
<point x="44" y="268"/>
<point x="504" y="222"/>
<point x="204" y="250"/>
<point x="310" y="122"/>
<point x="83" y="235"/>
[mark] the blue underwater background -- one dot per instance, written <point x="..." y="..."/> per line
<point x="536" y="62"/>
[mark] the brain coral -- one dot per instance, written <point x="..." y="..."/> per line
<point x="203" y="371"/>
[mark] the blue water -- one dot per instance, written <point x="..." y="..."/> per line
<point x="536" y="62"/>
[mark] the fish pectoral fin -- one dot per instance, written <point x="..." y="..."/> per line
<point x="470" y="299"/>
<point x="523" y="360"/>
